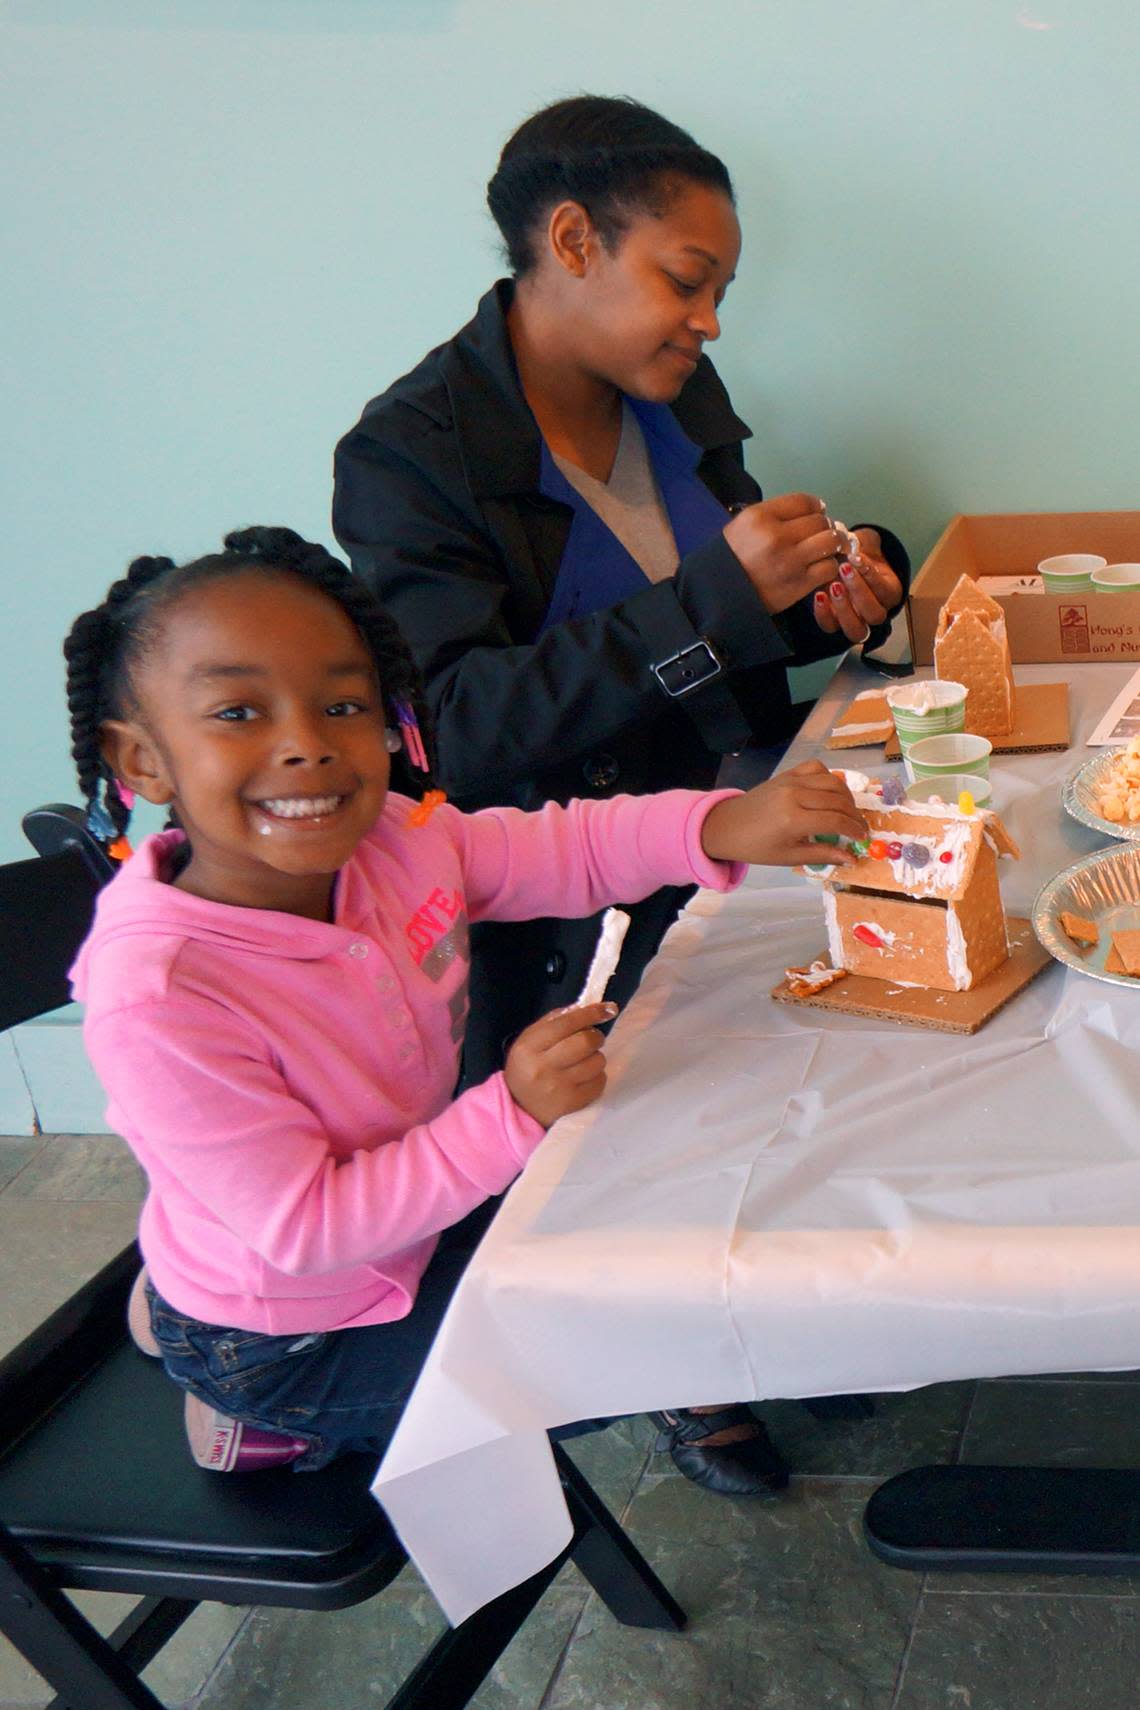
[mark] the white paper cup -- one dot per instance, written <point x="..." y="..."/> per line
<point x="930" y="708"/>
<point x="949" y="786"/>
<point x="1117" y="579"/>
<point x="939" y="756"/>
<point x="1070" y="572"/>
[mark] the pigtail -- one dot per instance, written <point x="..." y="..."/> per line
<point x="95" y="652"/>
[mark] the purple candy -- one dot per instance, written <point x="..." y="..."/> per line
<point x="916" y="854"/>
<point x="893" y="791"/>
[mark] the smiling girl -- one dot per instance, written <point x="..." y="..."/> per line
<point x="276" y="989"/>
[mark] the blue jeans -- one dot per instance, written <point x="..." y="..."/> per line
<point x="338" y="1390"/>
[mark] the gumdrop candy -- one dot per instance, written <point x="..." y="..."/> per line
<point x="893" y="791"/>
<point x="916" y="854"/>
<point x="877" y="849"/>
<point x="894" y="850"/>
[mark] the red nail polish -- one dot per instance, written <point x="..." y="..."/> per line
<point x="846" y="571"/>
<point x="821" y="598"/>
<point x="837" y="588"/>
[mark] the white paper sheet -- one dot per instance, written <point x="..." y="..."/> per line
<point x="1122" y="720"/>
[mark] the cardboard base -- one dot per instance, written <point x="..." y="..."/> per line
<point x="1041" y="722"/>
<point x="918" y="1006"/>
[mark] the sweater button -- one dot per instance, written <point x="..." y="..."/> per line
<point x="358" y="949"/>
<point x="600" y="771"/>
<point x="555" y="965"/>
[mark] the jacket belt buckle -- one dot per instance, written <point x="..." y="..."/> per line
<point x="689" y="669"/>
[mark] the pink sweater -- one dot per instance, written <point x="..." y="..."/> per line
<point x="287" y="1084"/>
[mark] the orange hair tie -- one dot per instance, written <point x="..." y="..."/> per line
<point x="424" y="809"/>
<point x="120" y="850"/>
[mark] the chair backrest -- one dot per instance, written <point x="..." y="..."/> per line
<point x="45" y="912"/>
<point x="46" y="905"/>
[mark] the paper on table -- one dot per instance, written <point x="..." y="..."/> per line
<point x="1122" y="720"/>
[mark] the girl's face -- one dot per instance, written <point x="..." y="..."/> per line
<point x="643" y="312"/>
<point x="260" y="719"/>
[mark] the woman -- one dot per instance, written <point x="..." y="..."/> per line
<point x="555" y="508"/>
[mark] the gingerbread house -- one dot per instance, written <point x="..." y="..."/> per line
<point x="922" y="907"/>
<point x="971" y="647"/>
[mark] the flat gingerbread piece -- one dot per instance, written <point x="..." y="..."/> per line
<point x="1127" y="947"/>
<point x="1080" y="930"/>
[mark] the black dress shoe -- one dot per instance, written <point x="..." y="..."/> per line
<point x="751" y="1467"/>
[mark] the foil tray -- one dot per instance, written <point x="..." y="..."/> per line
<point x="1081" y="791"/>
<point x="1103" y="887"/>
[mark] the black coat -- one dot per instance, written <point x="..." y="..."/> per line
<point x="437" y="504"/>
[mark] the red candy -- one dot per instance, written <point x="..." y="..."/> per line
<point x="894" y="850"/>
<point x="878" y="849"/>
<point x="866" y="936"/>
<point x="946" y="856"/>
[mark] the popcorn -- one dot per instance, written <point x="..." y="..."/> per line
<point x="1119" y="800"/>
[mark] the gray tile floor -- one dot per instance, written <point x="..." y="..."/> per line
<point x="787" y="1610"/>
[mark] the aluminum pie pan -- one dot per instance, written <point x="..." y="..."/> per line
<point x="1103" y="887"/>
<point x="1078" y="797"/>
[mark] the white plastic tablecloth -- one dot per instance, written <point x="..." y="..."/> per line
<point x="773" y="1201"/>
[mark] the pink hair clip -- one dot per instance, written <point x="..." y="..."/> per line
<point x="410" y="731"/>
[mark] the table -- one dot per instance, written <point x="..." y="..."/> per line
<point x="771" y="1201"/>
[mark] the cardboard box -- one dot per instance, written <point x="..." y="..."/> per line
<point x="1089" y="627"/>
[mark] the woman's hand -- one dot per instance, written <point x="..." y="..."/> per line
<point x="556" y="1064"/>
<point x="786" y="547"/>
<point x="774" y="825"/>
<point x="862" y="595"/>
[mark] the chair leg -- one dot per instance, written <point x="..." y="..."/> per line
<point x="458" y="1663"/>
<point x="49" y="1631"/>
<point x="602" y="1552"/>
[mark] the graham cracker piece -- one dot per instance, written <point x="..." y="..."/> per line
<point x="866" y="721"/>
<point x="971" y="647"/>
<point x="1080" y="930"/>
<point x="1113" y="963"/>
<point x="982" y="920"/>
<point x="1127" y="947"/>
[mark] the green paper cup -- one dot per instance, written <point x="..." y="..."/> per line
<point x="930" y="708"/>
<point x="947" y="787"/>
<point x="1070" y="573"/>
<point x="942" y="756"/>
<point x="1117" y="579"/>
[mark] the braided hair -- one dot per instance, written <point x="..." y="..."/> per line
<point x="610" y="153"/>
<point x="106" y="643"/>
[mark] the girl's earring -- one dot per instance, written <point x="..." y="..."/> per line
<point x="393" y="741"/>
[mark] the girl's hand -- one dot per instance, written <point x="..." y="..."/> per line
<point x="556" y="1064"/>
<point x="862" y="595"/>
<point x="786" y="547"/>
<point x="774" y="824"/>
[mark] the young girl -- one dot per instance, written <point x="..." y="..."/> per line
<point x="276" y="989"/>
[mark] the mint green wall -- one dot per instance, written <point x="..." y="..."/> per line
<point x="235" y="220"/>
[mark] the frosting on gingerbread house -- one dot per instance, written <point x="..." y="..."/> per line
<point x="922" y="906"/>
<point x="971" y="647"/>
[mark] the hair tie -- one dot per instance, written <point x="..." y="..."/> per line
<point x="410" y="731"/>
<point x="424" y="809"/>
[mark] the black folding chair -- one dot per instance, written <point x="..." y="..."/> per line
<point x="97" y="1487"/>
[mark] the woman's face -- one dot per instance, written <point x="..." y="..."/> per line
<point x="646" y="309"/>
